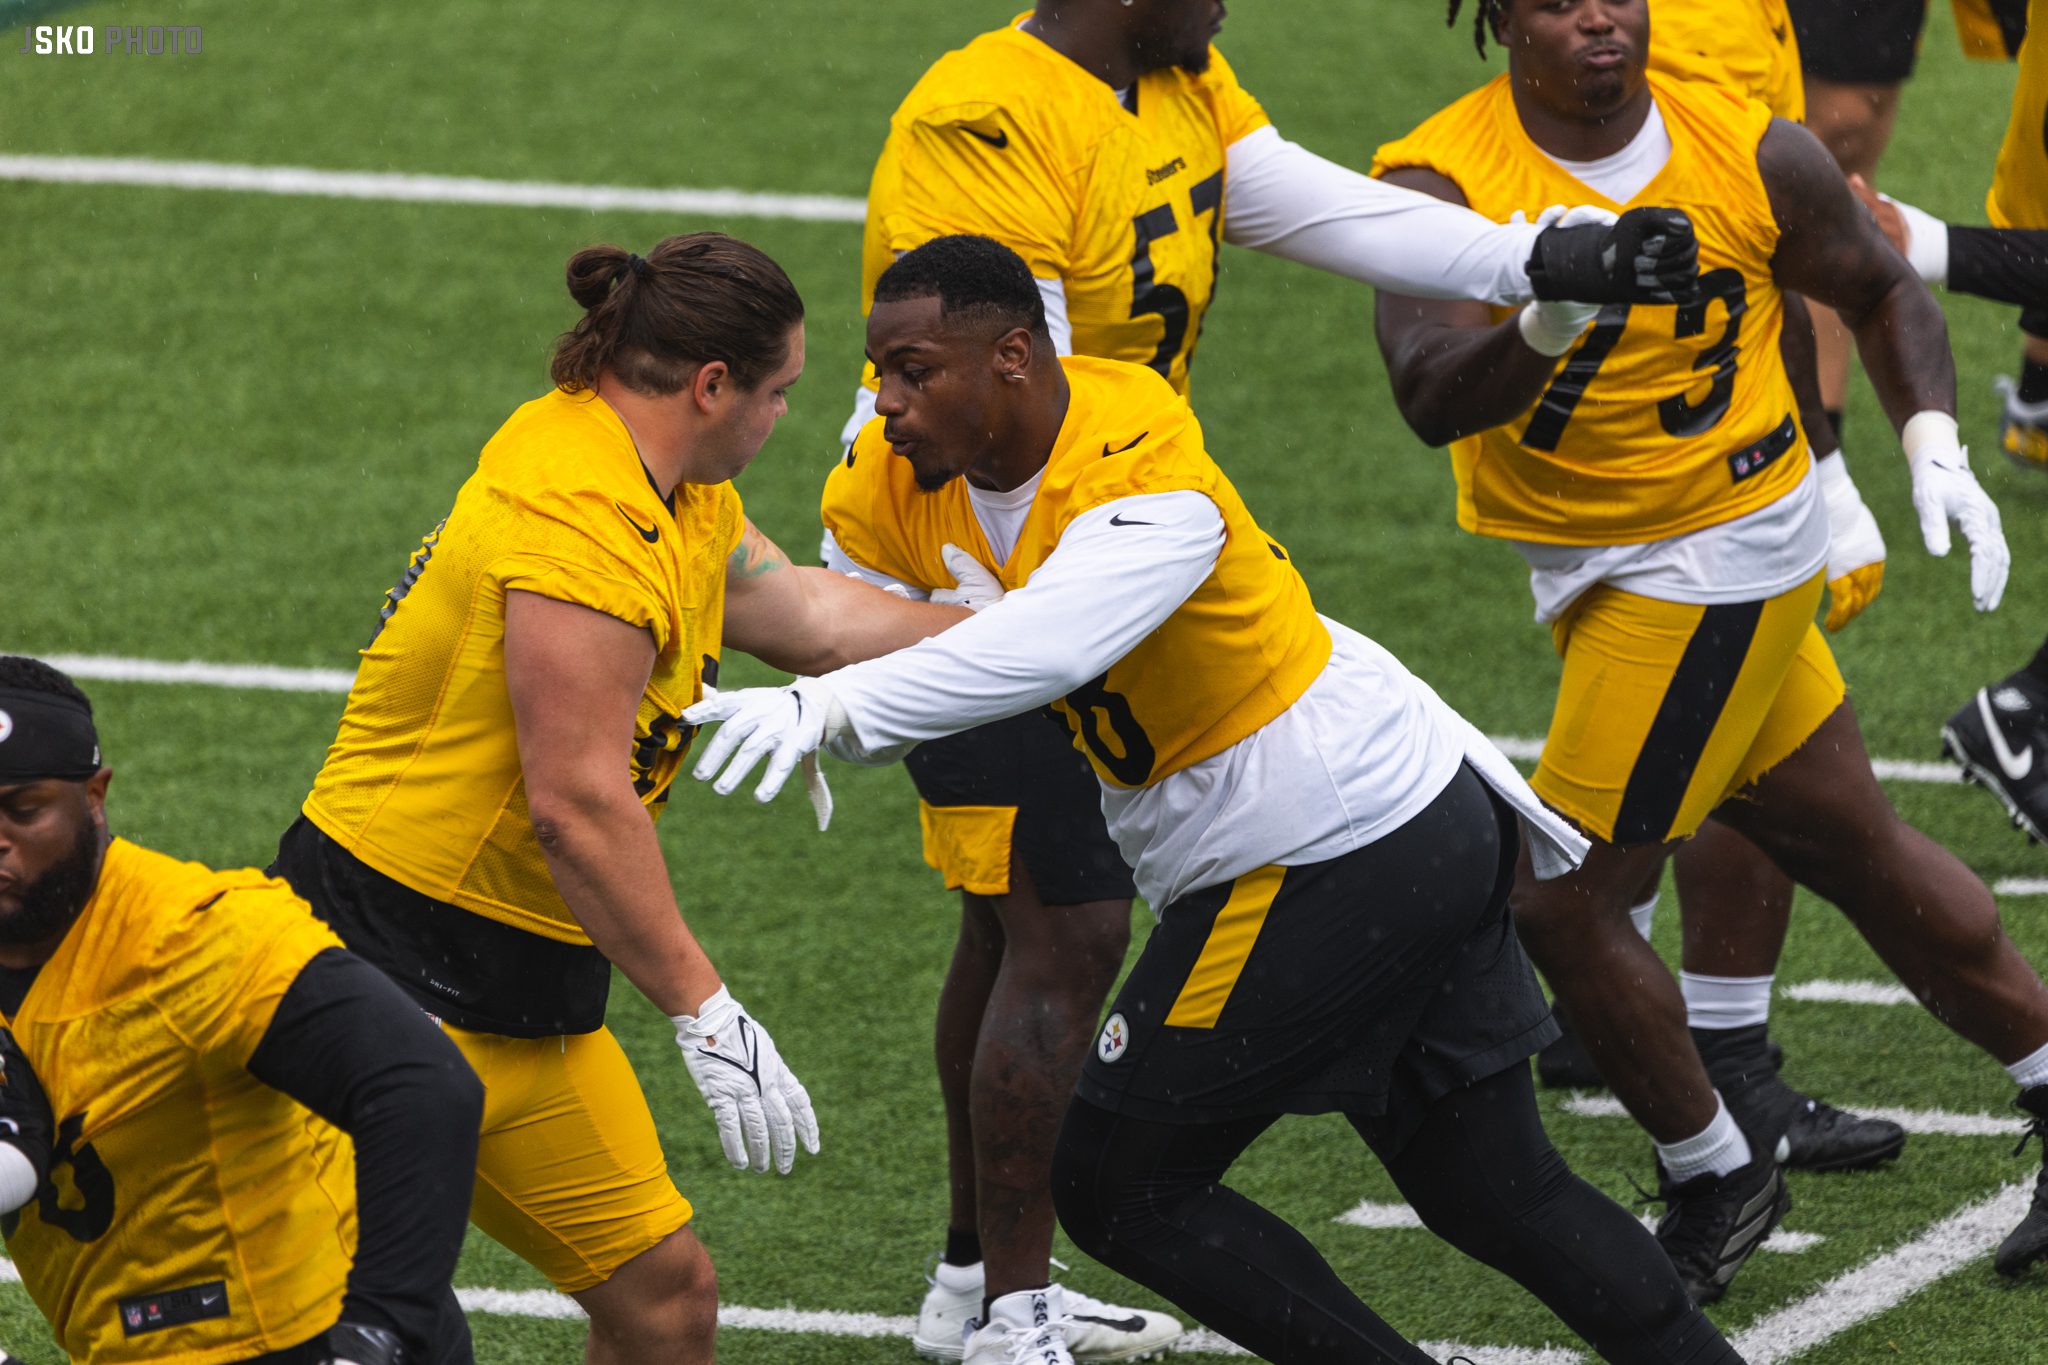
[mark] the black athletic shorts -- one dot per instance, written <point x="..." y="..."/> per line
<point x="1858" y="42"/>
<point x="1371" y="985"/>
<point x="1017" y="789"/>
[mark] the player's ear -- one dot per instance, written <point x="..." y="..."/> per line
<point x="1013" y="353"/>
<point x="96" y="796"/>
<point x="710" y="384"/>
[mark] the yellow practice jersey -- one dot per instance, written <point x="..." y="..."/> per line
<point x="2019" y="187"/>
<point x="1747" y="46"/>
<point x="1661" y="420"/>
<point x="1122" y="204"/>
<point x="192" y="1214"/>
<point x="1231" y="658"/>
<point x="423" y="781"/>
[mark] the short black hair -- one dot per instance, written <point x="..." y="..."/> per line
<point x="969" y="275"/>
<point x="1486" y="16"/>
<point x="24" y="674"/>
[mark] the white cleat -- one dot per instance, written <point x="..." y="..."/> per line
<point x="1024" y="1328"/>
<point x="1095" y="1333"/>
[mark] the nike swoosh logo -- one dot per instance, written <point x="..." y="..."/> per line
<point x="206" y="1300"/>
<point x="999" y="141"/>
<point x="1116" y="519"/>
<point x="650" y="534"/>
<point x="1107" y="452"/>
<point x="1132" y="1324"/>
<point x="2014" y="765"/>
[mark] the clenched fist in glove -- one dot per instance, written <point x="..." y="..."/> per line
<point x="1648" y="255"/>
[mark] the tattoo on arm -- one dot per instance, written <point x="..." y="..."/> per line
<point x="754" y="556"/>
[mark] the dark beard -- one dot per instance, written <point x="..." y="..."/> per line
<point x="932" y="483"/>
<point x="53" y="900"/>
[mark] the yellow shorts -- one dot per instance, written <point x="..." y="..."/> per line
<point x="569" y="1172"/>
<point x="1667" y="709"/>
<point x="2019" y="187"/>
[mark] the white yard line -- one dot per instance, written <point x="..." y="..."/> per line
<point x="1849" y="993"/>
<point x="1933" y="1122"/>
<point x="427" y="189"/>
<point x="1381" y="1217"/>
<point x="272" y="677"/>
<point x="1884" y="1281"/>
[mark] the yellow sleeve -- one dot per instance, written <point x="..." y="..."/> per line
<point x="582" y="546"/>
<point x="224" y="967"/>
<point x="1237" y="113"/>
<point x="856" y="509"/>
<point x="973" y="168"/>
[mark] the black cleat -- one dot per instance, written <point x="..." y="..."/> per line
<point x="2000" y="737"/>
<point x="1566" y="1065"/>
<point x="1712" y="1223"/>
<point x="2028" y="1242"/>
<point x="1743" y="1065"/>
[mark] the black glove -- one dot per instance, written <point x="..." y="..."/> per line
<point x="349" y="1343"/>
<point x="1646" y="256"/>
<point x="25" y="1118"/>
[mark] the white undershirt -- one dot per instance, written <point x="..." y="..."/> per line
<point x="1002" y="515"/>
<point x="1759" y="554"/>
<point x="1357" y="755"/>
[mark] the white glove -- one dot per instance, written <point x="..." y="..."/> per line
<point x="1855" y="545"/>
<point x="974" y="587"/>
<point x="761" y="1108"/>
<point x="784" y="724"/>
<point x="1945" y="490"/>
<point x="1926" y="241"/>
<point x="1550" y="326"/>
<point x="893" y="589"/>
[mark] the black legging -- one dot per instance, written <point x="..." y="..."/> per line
<point x="1145" y="1199"/>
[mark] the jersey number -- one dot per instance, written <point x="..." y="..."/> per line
<point x="1166" y="301"/>
<point x="1679" y="416"/>
<point x="88" y="1219"/>
<point x="1104" y="722"/>
<point x="417" y="566"/>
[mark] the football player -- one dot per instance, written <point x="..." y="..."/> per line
<point x="247" y="1144"/>
<point x="1111" y="146"/>
<point x="1734" y="902"/>
<point x="1650" y="472"/>
<point x="483" y="827"/>
<point x="1328" y="844"/>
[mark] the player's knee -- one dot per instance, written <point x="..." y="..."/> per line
<point x="667" y="1293"/>
<point x="1085" y="1187"/>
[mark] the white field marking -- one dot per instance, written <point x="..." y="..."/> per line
<point x="426" y="189"/>
<point x="1379" y="1216"/>
<point x="1931" y="1122"/>
<point x="113" y="668"/>
<point x="1850" y="993"/>
<point x="1884" y="1281"/>
<point x="2020" y="886"/>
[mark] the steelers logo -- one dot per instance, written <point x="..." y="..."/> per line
<point x="1115" y="1039"/>
<point x="6" y="726"/>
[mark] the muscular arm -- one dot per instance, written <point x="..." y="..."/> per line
<point x="347" y="1044"/>
<point x="1829" y="249"/>
<point x="810" y="621"/>
<point x="1796" y="347"/>
<point x="576" y="676"/>
<point x="1453" y="369"/>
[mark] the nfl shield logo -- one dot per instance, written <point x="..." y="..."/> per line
<point x="134" y="1317"/>
<point x="1115" y="1039"/>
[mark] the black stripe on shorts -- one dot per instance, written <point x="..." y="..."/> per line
<point x="1685" y="719"/>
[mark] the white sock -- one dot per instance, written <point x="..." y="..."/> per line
<point x="1643" y="915"/>
<point x="1725" y="1001"/>
<point x="958" y="1279"/>
<point x="1718" y="1150"/>
<point x="2032" y="1069"/>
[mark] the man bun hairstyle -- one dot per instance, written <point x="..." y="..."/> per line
<point x="19" y="673"/>
<point x="972" y="277"/>
<point x="653" y="320"/>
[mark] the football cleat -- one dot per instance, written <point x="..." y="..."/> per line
<point x="1712" y="1223"/>
<point x="1743" y="1064"/>
<point x="2023" y="431"/>
<point x="1024" y="1328"/>
<point x="2028" y="1242"/>
<point x="1093" y="1331"/>
<point x="2000" y="737"/>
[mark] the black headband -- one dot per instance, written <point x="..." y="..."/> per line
<point x="44" y="736"/>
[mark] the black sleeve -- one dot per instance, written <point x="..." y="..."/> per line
<point x="2006" y="264"/>
<point x="347" y="1043"/>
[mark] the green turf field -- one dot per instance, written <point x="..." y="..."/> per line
<point x="233" y="415"/>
